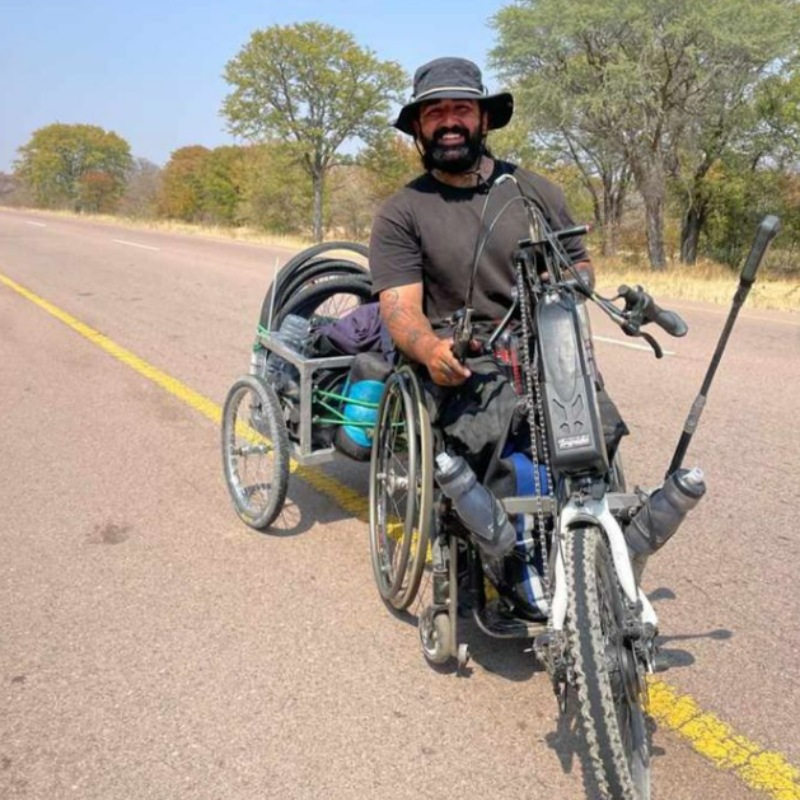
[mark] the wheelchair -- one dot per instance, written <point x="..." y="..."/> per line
<point x="287" y="410"/>
<point x="415" y="534"/>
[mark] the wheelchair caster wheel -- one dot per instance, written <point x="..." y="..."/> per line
<point x="434" y="634"/>
<point x="463" y="655"/>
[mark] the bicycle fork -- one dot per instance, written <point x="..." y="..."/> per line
<point x="596" y="513"/>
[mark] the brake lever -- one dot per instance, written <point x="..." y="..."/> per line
<point x="652" y="342"/>
<point x="642" y="309"/>
<point x="631" y="318"/>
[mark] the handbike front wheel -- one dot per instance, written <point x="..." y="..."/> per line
<point x="255" y="451"/>
<point x="606" y="671"/>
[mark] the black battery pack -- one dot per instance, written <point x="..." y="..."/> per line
<point x="572" y="414"/>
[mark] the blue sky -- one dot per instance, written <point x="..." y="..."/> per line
<point x="151" y="71"/>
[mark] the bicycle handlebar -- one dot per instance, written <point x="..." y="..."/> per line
<point x="642" y="309"/>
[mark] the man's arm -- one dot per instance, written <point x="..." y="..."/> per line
<point x="401" y="312"/>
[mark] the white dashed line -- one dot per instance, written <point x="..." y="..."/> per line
<point x="37" y="224"/>
<point x="134" y="244"/>
<point x="631" y="345"/>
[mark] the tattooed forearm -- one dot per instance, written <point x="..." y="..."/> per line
<point x="401" y="311"/>
<point x="413" y="337"/>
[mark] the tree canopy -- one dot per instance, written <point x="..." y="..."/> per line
<point x="81" y="167"/>
<point x="181" y="194"/>
<point x="312" y="85"/>
<point x="643" y="85"/>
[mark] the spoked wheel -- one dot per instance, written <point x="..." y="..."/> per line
<point x="326" y="300"/>
<point x="400" y="491"/>
<point x="609" y="683"/>
<point x="255" y="451"/>
<point x="308" y="266"/>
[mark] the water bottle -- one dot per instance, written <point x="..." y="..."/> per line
<point x="294" y="333"/>
<point x="363" y="389"/>
<point x="479" y="510"/>
<point x="663" y="511"/>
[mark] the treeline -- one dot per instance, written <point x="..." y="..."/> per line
<point x="262" y="186"/>
<point x="673" y="127"/>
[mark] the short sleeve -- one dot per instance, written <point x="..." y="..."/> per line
<point x="395" y="252"/>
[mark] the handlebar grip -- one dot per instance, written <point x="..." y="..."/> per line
<point x="669" y="321"/>
<point x="642" y="305"/>
<point x="577" y="230"/>
<point x="767" y="231"/>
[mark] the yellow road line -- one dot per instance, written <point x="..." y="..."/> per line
<point x="346" y="498"/>
<point x="760" y="769"/>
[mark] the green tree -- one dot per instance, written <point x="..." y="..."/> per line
<point x="81" y="167"/>
<point x="276" y="193"/>
<point x="633" y="77"/>
<point x="221" y="179"/>
<point x="312" y="85"/>
<point x="351" y="205"/>
<point x="603" y="175"/>
<point x="181" y="193"/>
<point x="752" y="155"/>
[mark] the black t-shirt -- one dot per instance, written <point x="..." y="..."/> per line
<point x="426" y="233"/>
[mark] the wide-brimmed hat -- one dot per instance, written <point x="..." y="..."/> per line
<point x="454" y="79"/>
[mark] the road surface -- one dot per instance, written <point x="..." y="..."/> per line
<point x="153" y="646"/>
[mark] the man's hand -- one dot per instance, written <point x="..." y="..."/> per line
<point x="401" y="311"/>
<point x="444" y="367"/>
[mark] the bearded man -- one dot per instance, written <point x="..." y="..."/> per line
<point x="423" y="238"/>
<point x="423" y="243"/>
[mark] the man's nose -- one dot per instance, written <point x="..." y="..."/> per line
<point x="451" y="120"/>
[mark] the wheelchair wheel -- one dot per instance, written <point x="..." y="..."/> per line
<point x="325" y="300"/>
<point x="401" y="491"/>
<point x="307" y="266"/>
<point x="255" y="451"/>
<point x="315" y="274"/>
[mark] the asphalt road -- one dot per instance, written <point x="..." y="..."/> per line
<point x="152" y="646"/>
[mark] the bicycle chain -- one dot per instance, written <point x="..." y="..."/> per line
<point x="534" y="404"/>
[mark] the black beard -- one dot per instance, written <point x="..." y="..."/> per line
<point x="452" y="158"/>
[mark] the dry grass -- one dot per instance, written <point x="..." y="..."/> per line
<point x="707" y="281"/>
<point x="175" y="226"/>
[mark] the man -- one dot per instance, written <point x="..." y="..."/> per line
<point x="423" y="238"/>
<point x="422" y="250"/>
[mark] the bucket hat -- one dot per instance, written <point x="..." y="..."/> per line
<point x="454" y="79"/>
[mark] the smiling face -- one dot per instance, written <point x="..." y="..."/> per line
<point x="451" y="133"/>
